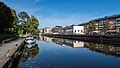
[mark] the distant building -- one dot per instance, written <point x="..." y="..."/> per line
<point x="86" y="27"/>
<point x="46" y="30"/>
<point x="55" y="29"/>
<point x="73" y="30"/>
<point x="61" y="30"/>
<point x="113" y="24"/>
<point x="40" y="31"/>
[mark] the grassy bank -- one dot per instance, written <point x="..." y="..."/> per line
<point x="6" y="36"/>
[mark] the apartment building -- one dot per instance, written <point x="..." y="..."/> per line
<point x="113" y="24"/>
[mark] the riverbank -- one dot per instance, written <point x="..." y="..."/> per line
<point x="8" y="49"/>
<point x="7" y="36"/>
<point x="112" y="39"/>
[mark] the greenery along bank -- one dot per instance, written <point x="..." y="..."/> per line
<point x="11" y="23"/>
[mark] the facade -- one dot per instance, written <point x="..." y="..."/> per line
<point x="112" y="26"/>
<point x="61" y="30"/>
<point x="46" y="30"/>
<point x="69" y="30"/>
<point x="103" y="25"/>
<point x="40" y="31"/>
<point x="55" y="29"/>
<point x="86" y="27"/>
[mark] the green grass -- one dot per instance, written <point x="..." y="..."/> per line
<point x="6" y="36"/>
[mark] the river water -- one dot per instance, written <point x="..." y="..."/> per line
<point x="66" y="53"/>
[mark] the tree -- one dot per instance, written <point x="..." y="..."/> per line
<point x="92" y="26"/>
<point x="23" y="15"/>
<point x="105" y="25"/>
<point x="16" y="20"/>
<point x="29" y="24"/>
<point x="33" y="24"/>
<point x="24" y="18"/>
<point x="6" y="18"/>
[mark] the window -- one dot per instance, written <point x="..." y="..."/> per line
<point x="75" y="30"/>
<point x="81" y="31"/>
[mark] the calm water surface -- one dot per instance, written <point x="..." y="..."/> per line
<point x="64" y="53"/>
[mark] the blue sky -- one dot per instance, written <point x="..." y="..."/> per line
<point x="65" y="12"/>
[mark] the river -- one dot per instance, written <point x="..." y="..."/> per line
<point x="65" y="53"/>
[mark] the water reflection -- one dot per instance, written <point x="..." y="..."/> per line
<point x="107" y="49"/>
<point x="29" y="52"/>
<point x="68" y="42"/>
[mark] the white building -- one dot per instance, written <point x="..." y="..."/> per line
<point x="68" y="30"/>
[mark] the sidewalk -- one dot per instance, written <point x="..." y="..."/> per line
<point x="9" y="49"/>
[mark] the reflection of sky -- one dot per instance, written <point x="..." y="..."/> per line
<point x="52" y="55"/>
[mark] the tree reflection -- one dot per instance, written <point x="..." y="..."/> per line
<point x="29" y="53"/>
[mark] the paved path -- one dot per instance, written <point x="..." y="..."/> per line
<point x="9" y="49"/>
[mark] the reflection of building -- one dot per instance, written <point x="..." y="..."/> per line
<point x="47" y="39"/>
<point x="68" y="42"/>
<point x="74" y="43"/>
<point x="105" y="49"/>
<point x="78" y="44"/>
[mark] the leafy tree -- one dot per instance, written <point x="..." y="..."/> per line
<point x="23" y="15"/>
<point x="6" y="18"/>
<point x="29" y="24"/>
<point x="24" y="18"/>
<point x="105" y="25"/>
<point x="16" y="20"/>
<point x="33" y="24"/>
<point x="92" y="26"/>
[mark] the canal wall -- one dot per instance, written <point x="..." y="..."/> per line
<point x="8" y="50"/>
<point x="108" y="39"/>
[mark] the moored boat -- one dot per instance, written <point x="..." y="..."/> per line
<point x="30" y="40"/>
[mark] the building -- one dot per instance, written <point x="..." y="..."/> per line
<point x="40" y="31"/>
<point x="46" y="30"/>
<point x="55" y="29"/>
<point x="105" y="24"/>
<point x="69" y="30"/>
<point x="61" y="30"/>
<point x="86" y="27"/>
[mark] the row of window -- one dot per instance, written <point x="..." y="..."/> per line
<point x="79" y="31"/>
